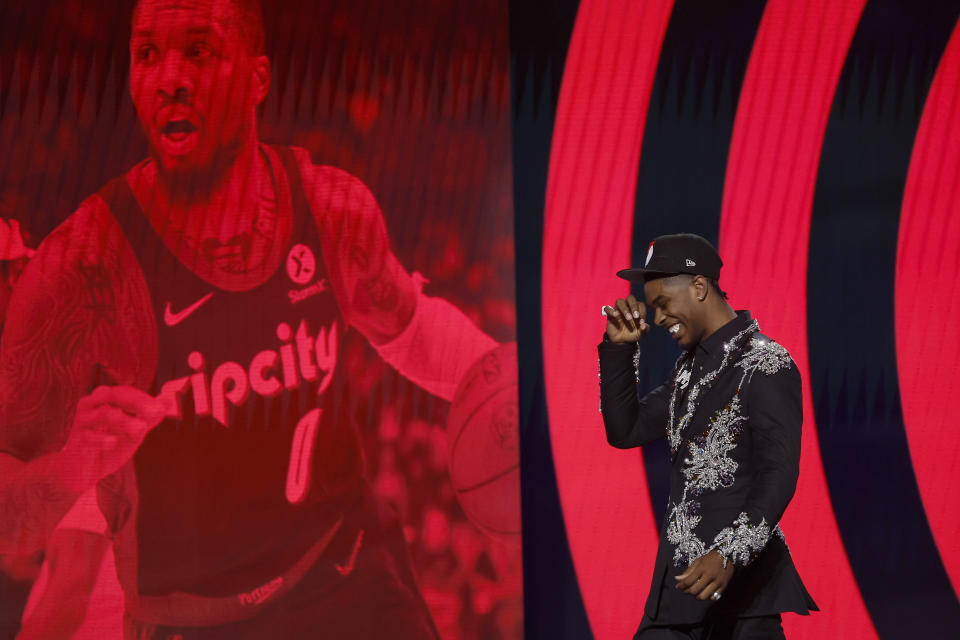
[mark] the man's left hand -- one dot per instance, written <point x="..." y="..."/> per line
<point x="705" y="576"/>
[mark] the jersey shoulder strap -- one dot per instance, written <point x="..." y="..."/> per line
<point x="303" y="211"/>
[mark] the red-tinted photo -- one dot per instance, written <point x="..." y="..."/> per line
<point x="257" y="369"/>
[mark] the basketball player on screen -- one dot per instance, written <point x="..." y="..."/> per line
<point x="175" y="345"/>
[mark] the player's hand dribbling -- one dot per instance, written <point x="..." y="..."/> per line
<point x="626" y="320"/>
<point x="109" y="426"/>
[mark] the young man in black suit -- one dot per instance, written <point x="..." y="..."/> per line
<point x="732" y="413"/>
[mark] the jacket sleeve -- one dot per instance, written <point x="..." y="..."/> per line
<point x="774" y="403"/>
<point x="629" y="421"/>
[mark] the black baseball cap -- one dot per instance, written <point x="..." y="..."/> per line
<point x="677" y="253"/>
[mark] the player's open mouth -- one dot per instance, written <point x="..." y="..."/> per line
<point x="178" y="129"/>
<point x="674" y="330"/>
<point x="178" y="136"/>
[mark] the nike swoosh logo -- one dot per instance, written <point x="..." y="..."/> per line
<point x="173" y="319"/>
<point x="347" y="568"/>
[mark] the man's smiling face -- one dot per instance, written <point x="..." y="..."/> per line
<point x="676" y="308"/>
<point x="195" y="82"/>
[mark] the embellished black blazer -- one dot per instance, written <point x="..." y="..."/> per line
<point x="732" y="413"/>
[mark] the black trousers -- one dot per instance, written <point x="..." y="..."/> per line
<point x="759" y="628"/>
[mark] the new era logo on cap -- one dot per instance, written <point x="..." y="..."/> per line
<point x="691" y="263"/>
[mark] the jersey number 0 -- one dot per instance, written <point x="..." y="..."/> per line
<point x="300" y="469"/>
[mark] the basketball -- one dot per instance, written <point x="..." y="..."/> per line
<point x="484" y="441"/>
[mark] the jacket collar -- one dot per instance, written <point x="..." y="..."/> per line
<point x="710" y="350"/>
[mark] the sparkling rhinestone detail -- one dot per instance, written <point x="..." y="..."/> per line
<point x="684" y="367"/>
<point x="743" y="541"/>
<point x="636" y="363"/>
<point x="708" y="465"/>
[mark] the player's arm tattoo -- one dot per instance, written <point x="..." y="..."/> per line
<point x="33" y="498"/>
<point x="78" y="319"/>
<point x="382" y="293"/>
<point x="377" y="294"/>
<point x="379" y="286"/>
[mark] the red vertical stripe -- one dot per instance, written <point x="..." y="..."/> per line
<point x="764" y="233"/>
<point x="588" y="225"/>
<point x="928" y="305"/>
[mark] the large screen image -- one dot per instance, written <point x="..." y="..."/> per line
<point x="258" y="371"/>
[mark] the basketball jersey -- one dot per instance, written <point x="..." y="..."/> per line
<point x="235" y="488"/>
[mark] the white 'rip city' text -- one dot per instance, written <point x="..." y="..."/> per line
<point x="301" y="357"/>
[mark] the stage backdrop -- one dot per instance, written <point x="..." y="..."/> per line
<point x="817" y="144"/>
<point x="411" y="98"/>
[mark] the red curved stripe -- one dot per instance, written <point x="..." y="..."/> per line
<point x="588" y="225"/>
<point x="764" y="232"/>
<point x="928" y="305"/>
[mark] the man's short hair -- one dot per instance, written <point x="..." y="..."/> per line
<point x="716" y="287"/>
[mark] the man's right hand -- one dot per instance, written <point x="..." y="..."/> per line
<point x="626" y="320"/>
<point x="109" y="426"/>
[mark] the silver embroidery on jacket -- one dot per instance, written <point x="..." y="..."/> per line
<point x="636" y="363"/>
<point x="708" y="466"/>
<point x="683" y="519"/>
<point x="743" y="541"/>
<point x="675" y="427"/>
<point x="764" y="355"/>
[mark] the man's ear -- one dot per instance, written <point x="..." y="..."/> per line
<point x="261" y="72"/>
<point x="701" y="288"/>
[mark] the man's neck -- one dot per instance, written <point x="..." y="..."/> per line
<point x="218" y="205"/>
<point x="717" y="318"/>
